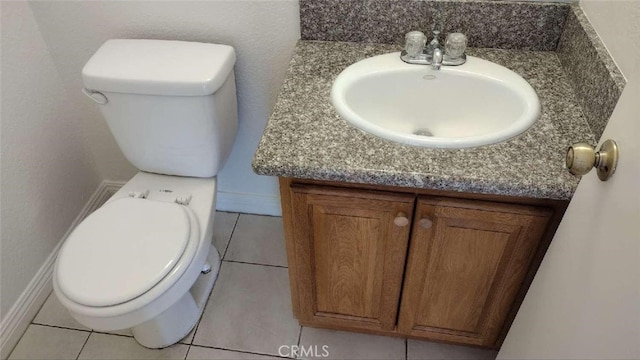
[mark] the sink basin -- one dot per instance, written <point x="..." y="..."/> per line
<point x="474" y="104"/>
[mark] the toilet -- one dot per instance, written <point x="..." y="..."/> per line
<point x="144" y="260"/>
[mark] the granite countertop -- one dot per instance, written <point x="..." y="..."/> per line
<point x="306" y="138"/>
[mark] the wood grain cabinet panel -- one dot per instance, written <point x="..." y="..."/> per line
<point x="416" y="263"/>
<point x="350" y="255"/>
<point x="466" y="263"/>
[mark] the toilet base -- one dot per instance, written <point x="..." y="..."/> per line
<point x="178" y="320"/>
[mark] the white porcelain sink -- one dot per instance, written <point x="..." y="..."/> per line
<point x="474" y="104"/>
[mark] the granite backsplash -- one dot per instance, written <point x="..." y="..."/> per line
<point x="538" y="26"/>
<point x="592" y="73"/>
<point x="490" y="24"/>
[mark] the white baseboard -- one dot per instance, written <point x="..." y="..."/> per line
<point x="249" y="203"/>
<point x="26" y="307"/>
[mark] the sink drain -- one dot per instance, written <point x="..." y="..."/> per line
<point x="423" y="132"/>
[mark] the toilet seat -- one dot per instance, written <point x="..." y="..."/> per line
<point x="124" y="249"/>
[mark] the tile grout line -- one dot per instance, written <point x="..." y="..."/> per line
<point x="239" y="351"/>
<point x="235" y="224"/>
<point x="251" y="263"/>
<point x="406" y="349"/>
<point x="251" y="214"/>
<point x="83" y="345"/>
<point x="60" y="327"/>
<point x="108" y="333"/>
<point x="299" y="337"/>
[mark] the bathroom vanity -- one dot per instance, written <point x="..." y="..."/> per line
<point x="425" y="242"/>
<point x="420" y="263"/>
<point x="419" y="242"/>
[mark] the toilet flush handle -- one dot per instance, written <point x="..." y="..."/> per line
<point x="96" y="96"/>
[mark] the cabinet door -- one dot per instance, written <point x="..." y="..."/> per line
<point x="350" y="249"/>
<point x="467" y="261"/>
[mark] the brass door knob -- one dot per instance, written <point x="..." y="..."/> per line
<point x="401" y="219"/>
<point x="582" y="157"/>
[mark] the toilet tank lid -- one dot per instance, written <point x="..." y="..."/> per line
<point x="159" y="67"/>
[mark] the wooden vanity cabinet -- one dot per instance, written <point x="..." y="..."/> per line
<point x="455" y="271"/>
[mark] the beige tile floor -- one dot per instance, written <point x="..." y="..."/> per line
<point x="248" y="315"/>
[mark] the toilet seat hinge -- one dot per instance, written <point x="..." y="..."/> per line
<point x="183" y="200"/>
<point x="139" y="194"/>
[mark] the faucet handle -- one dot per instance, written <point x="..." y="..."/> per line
<point x="414" y="43"/>
<point x="455" y="45"/>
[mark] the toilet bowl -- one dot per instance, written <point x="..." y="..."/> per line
<point x="144" y="260"/>
<point x="137" y="261"/>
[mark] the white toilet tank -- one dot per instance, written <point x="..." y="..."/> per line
<point x="171" y="105"/>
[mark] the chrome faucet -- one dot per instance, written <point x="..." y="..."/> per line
<point x="432" y="54"/>
<point x="433" y="44"/>
<point x="436" y="60"/>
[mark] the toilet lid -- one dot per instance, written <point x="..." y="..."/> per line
<point x="122" y="250"/>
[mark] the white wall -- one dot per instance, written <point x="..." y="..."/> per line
<point x="617" y="23"/>
<point x="263" y="33"/>
<point x="47" y="174"/>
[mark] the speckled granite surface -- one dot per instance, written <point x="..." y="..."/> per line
<point x="597" y="81"/>
<point x="495" y="24"/>
<point x="306" y="138"/>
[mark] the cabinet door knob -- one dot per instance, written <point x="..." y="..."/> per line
<point x="401" y="219"/>
<point x="425" y="223"/>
